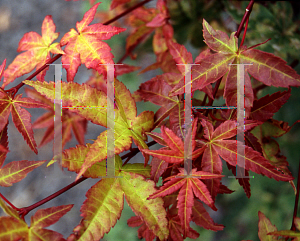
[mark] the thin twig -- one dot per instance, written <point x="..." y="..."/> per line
<point x="293" y="227"/>
<point x="245" y="17"/>
<point x="9" y="203"/>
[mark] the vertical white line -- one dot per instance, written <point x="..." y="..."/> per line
<point x="240" y="121"/>
<point x="188" y="121"/>
<point x="240" y="137"/>
<point x="110" y="122"/>
<point x="57" y="149"/>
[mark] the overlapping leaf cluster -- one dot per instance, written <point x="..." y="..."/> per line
<point x="165" y="212"/>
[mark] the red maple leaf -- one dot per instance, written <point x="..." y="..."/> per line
<point x="20" y="116"/>
<point x="86" y="46"/>
<point x="189" y="186"/>
<point x="264" y="67"/>
<point x="38" y="49"/>
<point x="175" y="151"/>
<point x="217" y="146"/>
<point x="70" y="121"/>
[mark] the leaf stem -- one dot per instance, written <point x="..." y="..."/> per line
<point x="244" y="34"/>
<point x="133" y="152"/>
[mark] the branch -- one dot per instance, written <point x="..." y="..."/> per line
<point x="244" y="19"/>
<point x="26" y="210"/>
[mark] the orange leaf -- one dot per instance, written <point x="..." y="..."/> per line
<point x="189" y="186"/>
<point x="46" y="217"/>
<point x="37" y="49"/>
<point x="86" y="45"/>
<point x="21" y="117"/>
<point x="175" y="153"/>
<point x="17" y="170"/>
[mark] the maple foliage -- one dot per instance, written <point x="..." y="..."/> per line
<point x="267" y="231"/>
<point x="176" y="154"/>
<point x="15" y="228"/>
<point x="86" y="47"/>
<point x="38" y="49"/>
<point x="162" y="212"/>
<point x="189" y="186"/>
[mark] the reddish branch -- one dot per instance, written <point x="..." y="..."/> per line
<point x="26" y="210"/>
<point x="244" y="19"/>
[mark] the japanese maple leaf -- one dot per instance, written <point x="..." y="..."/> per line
<point x="189" y="186"/>
<point x="175" y="152"/>
<point x="264" y="67"/>
<point x="85" y="46"/>
<point x="16" y="171"/>
<point x="294" y="235"/>
<point x="20" y="116"/>
<point x="97" y="80"/>
<point x="3" y="132"/>
<point x="70" y="121"/>
<point x="164" y="59"/>
<point x="13" y="227"/>
<point x="265" y="227"/>
<point x="176" y="229"/>
<point x="217" y="146"/>
<point x="143" y="231"/>
<point x="265" y="134"/>
<point x="38" y="49"/>
<point x="98" y="220"/>
<point x="201" y="217"/>
<point x="265" y="107"/>
<point x="127" y="125"/>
